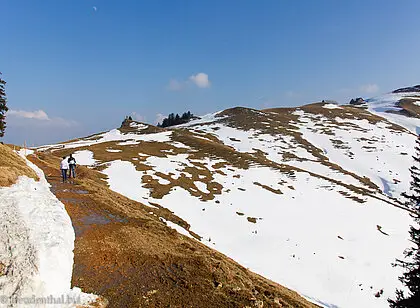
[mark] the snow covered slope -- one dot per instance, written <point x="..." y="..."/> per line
<point x="401" y="107"/>
<point x="36" y="247"/>
<point x="308" y="197"/>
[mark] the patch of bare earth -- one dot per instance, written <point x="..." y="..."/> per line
<point x="128" y="255"/>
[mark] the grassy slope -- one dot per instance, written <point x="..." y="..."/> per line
<point x="136" y="260"/>
<point x="166" y="267"/>
<point x="12" y="166"/>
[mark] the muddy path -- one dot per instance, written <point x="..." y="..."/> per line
<point x="125" y="253"/>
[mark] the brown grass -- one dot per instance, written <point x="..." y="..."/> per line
<point x="12" y="166"/>
<point x="277" y="122"/>
<point x="137" y="261"/>
<point x="276" y="191"/>
<point x="409" y="107"/>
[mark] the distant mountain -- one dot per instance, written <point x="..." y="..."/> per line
<point x="408" y="89"/>
<point x="308" y="197"/>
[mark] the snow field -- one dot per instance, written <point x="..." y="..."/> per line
<point x="291" y="239"/>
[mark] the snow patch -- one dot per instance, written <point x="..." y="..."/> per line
<point x="139" y="126"/>
<point x="84" y="158"/>
<point x="331" y="106"/>
<point x="113" y="150"/>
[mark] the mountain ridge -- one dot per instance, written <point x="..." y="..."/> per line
<point x="226" y="178"/>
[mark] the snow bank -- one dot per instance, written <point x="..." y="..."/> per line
<point x="331" y="106"/>
<point x="37" y="242"/>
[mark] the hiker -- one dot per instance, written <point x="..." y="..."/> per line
<point x="72" y="166"/>
<point x="64" y="166"/>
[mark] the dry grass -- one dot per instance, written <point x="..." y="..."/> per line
<point x="138" y="261"/>
<point x="409" y="107"/>
<point x="278" y="122"/>
<point x="151" y="129"/>
<point x="349" y="112"/>
<point x="12" y="166"/>
<point x="276" y="191"/>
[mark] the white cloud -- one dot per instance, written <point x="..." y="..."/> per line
<point x="36" y="118"/>
<point x="38" y="114"/>
<point x="201" y="80"/>
<point x="138" y="117"/>
<point x="369" y="88"/>
<point x="175" y="85"/>
<point x="159" y="118"/>
<point x="37" y="127"/>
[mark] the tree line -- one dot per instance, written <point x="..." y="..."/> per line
<point x="176" y="119"/>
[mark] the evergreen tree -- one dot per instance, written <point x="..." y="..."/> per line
<point x="411" y="264"/>
<point x="173" y="119"/>
<point x="3" y="107"/>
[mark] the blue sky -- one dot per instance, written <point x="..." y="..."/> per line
<point x="75" y="67"/>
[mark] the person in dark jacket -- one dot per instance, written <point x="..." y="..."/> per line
<point x="72" y="166"/>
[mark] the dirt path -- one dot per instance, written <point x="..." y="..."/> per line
<point x="124" y="253"/>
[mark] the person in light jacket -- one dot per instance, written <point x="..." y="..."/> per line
<point x="72" y="166"/>
<point x="64" y="166"/>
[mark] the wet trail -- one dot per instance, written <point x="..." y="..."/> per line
<point x="84" y="212"/>
<point x="93" y="224"/>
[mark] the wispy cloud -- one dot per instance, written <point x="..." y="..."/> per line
<point x="38" y="114"/>
<point x="36" y="118"/>
<point x="200" y="80"/>
<point x="159" y="118"/>
<point x="138" y="117"/>
<point x="175" y="85"/>
<point x="369" y="88"/>
<point x="38" y="127"/>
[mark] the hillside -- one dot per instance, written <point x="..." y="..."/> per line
<point x="307" y="197"/>
<point x="125" y="251"/>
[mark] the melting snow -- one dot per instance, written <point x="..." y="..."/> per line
<point x="382" y="105"/>
<point x="342" y="261"/>
<point x="138" y="125"/>
<point x="112" y="135"/>
<point x="331" y="106"/>
<point x="84" y="158"/>
<point x="37" y="242"/>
